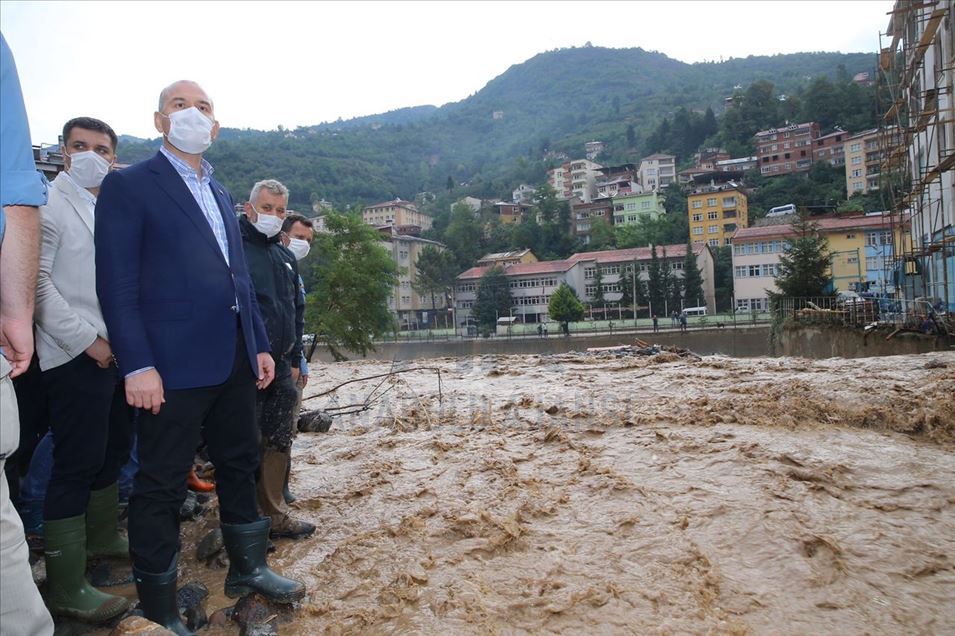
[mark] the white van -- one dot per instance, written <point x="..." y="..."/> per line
<point x="694" y="311"/>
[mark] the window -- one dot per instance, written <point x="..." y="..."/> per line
<point x="727" y="241"/>
<point x="631" y="205"/>
<point x="645" y="205"/>
<point x="713" y="229"/>
<point x="857" y="172"/>
<point x="697" y="217"/>
<point x="698" y="230"/>
<point x="711" y="202"/>
<point x="714" y="242"/>
<point x="855" y="147"/>
<point x="697" y="204"/>
<point x="872" y="262"/>
<point x="712" y="216"/>
<point x="589" y="272"/>
<point x="856" y="161"/>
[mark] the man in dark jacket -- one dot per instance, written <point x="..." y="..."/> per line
<point x="275" y="278"/>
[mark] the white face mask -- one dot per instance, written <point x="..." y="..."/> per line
<point x="190" y="131"/>
<point x="88" y="169"/>
<point x="299" y="248"/>
<point x="267" y="224"/>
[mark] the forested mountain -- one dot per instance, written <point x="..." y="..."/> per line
<point x="553" y="102"/>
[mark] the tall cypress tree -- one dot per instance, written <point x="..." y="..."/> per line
<point x="692" y="279"/>
<point x="656" y="284"/>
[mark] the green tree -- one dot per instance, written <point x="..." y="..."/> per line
<point x="723" y="277"/>
<point x="656" y="282"/>
<point x="347" y="306"/>
<point x="599" y="300"/>
<point x="692" y="280"/>
<point x="602" y="236"/>
<point x="631" y="282"/>
<point x="463" y="236"/>
<point x="493" y="298"/>
<point x="804" y="266"/>
<point x="436" y="270"/>
<point x="564" y="307"/>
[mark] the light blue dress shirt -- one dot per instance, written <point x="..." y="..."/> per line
<point x="20" y="183"/>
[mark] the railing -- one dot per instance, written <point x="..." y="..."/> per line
<point x="859" y="312"/>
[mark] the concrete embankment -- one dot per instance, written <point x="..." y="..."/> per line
<point x="740" y="343"/>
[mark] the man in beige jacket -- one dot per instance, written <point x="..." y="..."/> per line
<point x="89" y="417"/>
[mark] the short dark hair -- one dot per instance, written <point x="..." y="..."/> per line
<point x="292" y="219"/>
<point x="88" y="123"/>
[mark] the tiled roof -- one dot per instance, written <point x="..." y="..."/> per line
<point x="826" y="224"/>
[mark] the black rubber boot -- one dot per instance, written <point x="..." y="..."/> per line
<point x="246" y="544"/>
<point x="286" y="493"/>
<point x="157" y="599"/>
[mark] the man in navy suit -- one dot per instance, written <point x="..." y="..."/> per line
<point x="189" y="341"/>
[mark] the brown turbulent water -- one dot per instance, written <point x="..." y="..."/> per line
<point x="588" y="494"/>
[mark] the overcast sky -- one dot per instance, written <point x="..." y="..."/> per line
<point x="300" y="63"/>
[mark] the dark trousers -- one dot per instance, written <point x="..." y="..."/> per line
<point x="34" y="423"/>
<point x="274" y="407"/>
<point x="90" y="421"/>
<point x="225" y="416"/>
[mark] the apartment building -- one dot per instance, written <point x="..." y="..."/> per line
<point x="532" y="284"/>
<point x="831" y="148"/>
<point x="512" y="212"/>
<point x="786" y="150"/>
<point x="523" y="194"/>
<point x="575" y="179"/>
<point x="583" y="215"/>
<point x="410" y="308"/>
<point x="628" y="208"/>
<point x="739" y="164"/>
<point x="716" y="211"/>
<point x="657" y="171"/>
<point x="397" y="212"/>
<point x="861" y="246"/>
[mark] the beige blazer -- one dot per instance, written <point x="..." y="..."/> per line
<point x="68" y="316"/>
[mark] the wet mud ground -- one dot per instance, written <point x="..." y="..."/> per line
<point x="594" y="494"/>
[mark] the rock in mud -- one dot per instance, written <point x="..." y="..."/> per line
<point x="139" y="625"/>
<point x="221" y="617"/>
<point x="191" y="601"/>
<point x="250" y="610"/>
<point x="316" y="421"/>
<point x="187" y="511"/>
<point x="259" y="629"/>
<point x="210" y="545"/>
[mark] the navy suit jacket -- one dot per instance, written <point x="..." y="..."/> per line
<point x="167" y="294"/>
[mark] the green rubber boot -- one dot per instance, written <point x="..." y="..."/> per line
<point x="103" y="537"/>
<point x="70" y="593"/>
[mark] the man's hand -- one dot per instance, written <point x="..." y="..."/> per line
<point x="266" y="370"/>
<point x="303" y="381"/>
<point x="101" y="352"/>
<point x="295" y="374"/>
<point x="144" y="391"/>
<point x="16" y="338"/>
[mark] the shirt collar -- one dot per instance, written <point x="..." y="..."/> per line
<point x="85" y="194"/>
<point x="184" y="169"/>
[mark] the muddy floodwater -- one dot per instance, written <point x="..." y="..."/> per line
<point x="596" y="494"/>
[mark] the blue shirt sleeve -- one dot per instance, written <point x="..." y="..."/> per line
<point x="20" y="182"/>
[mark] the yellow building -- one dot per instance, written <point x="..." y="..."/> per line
<point x="716" y="212"/>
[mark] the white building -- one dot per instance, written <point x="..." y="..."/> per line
<point x="657" y="172"/>
<point x="575" y="179"/>
<point x="532" y="284"/>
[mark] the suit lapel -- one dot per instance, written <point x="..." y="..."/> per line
<point x="75" y="200"/>
<point x="172" y="183"/>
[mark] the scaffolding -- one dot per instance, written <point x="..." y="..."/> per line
<point x="917" y="139"/>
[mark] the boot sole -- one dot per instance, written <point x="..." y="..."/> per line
<point x="235" y="591"/>
<point x="100" y="615"/>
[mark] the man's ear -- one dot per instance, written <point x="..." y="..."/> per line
<point x="157" y="122"/>
<point x="250" y="212"/>
<point x="215" y="130"/>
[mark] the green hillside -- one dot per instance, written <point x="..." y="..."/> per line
<point x="554" y="102"/>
